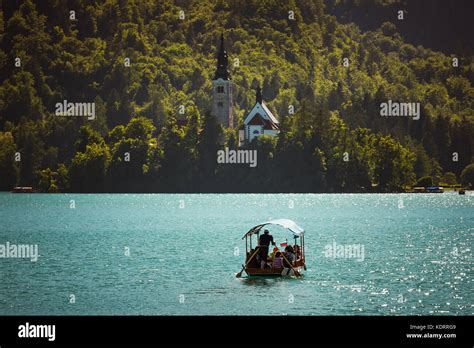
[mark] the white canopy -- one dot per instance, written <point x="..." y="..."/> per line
<point x="285" y="223"/>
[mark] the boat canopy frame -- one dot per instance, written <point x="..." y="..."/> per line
<point x="250" y="252"/>
<point x="297" y="231"/>
<point x="288" y="224"/>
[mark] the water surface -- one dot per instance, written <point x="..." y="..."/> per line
<point x="182" y="254"/>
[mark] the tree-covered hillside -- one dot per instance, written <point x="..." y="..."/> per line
<point x="141" y="61"/>
<point x="439" y="24"/>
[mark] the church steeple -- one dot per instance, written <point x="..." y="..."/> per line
<point x="258" y="95"/>
<point x="222" y="90"/>
<point x="222" y="70"/>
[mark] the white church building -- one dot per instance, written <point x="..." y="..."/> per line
<point x="259" y="121"/>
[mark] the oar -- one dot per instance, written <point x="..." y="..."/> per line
<point x="298" y="274"/>
<point x="238" y="275"/>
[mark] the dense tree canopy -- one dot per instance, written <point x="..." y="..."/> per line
<point x="147" y="66"/>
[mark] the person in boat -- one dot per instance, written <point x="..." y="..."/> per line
<point x="290" y="253"/>
<point x="297" y="251"/>
<point x="278" y="260"/>
<point x="264" y="242"/>
<point x="254" y="262"/>
<point x="272" y="255"/>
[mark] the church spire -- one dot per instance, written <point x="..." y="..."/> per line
<point x="222" y="70"/>
<point x="258" y="95"/>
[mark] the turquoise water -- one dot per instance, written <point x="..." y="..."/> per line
<point x="182" y="254"/>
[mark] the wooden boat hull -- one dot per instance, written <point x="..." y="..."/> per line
<point x="267" y="272"/>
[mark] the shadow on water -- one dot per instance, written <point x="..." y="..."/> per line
<point x="265" y="280"/>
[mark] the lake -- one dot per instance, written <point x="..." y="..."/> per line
<point x="177" y="254"/>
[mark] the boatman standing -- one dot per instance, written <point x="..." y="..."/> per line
<point x="264" y="242"/>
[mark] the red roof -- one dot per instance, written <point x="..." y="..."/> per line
<point x="258" y="120"/>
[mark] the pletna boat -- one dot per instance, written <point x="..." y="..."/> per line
<point x="253" y="265"/>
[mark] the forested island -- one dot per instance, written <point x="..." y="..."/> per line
<point x="147" y="67"/>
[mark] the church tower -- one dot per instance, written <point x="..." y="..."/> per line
<point x="222" y="90"/>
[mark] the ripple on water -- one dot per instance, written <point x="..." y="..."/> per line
<point x="417" y="258"/>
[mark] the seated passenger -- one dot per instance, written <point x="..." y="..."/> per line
<point x="254" y="263"/>
<point x="290" y="253"/>
<point x="297" y="251"/>
<point x="275" y="250"/>
<point x="249" y="253"/>
<point x="278" y="260"/>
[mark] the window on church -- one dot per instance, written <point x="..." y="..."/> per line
<point x="256" y="132"/>
<point x="219" y="104"/>
<point x="220" y="89"/>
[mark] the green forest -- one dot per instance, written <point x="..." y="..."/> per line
<point x="140" y="61"/>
